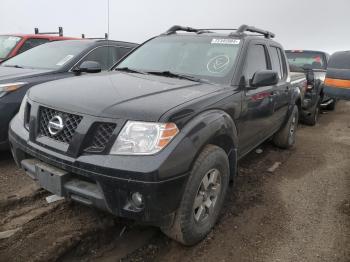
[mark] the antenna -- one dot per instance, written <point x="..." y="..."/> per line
<point x="107" y="35"/>
<point x="107" y="18"/>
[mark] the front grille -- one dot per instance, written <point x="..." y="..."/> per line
<point x="71" y="123"/>
<point x="101" y="136"/>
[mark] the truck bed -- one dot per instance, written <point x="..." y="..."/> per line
<point x="295" y="76"/>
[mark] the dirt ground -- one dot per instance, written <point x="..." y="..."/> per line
<point x="299" y="212"/>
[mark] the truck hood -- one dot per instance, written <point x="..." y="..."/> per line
<point x="119" y="95"/>
<point x="10" y="74"/>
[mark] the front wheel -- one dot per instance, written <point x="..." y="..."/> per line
<point x="203" y="197"/>
<point x="285" y="137"/>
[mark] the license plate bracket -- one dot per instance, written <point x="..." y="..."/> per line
<point x="51" y="178"/>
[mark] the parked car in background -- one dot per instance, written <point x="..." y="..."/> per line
<point x="52" y="61"/>
<point x="158" y="139"/>
<point x="314" y="65"/>
<point x="14" y="44"/>
<point x="337" y="83"/>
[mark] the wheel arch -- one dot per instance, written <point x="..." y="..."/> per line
<point x="215" y="127"/>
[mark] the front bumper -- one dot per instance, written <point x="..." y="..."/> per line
<point x="103" y="181"/>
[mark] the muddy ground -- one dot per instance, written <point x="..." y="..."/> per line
<point x="299" y="212"/>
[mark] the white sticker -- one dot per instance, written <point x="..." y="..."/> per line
<point x="225" y="41"/>
<point x="218" y="64"/>
<point x="65" y="60"/>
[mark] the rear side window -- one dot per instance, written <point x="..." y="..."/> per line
<point x="256" y="60"/>
<point x="278" y="61"/>
<point x="32" y="42"/>
<point x="283" y="62"/>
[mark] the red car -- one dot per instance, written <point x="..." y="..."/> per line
<point x="14" y="44"/>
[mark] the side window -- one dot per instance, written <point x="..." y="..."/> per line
<point x="276" y="61"/>
<point x="106" y="56"/>
<point x="256" y="60"/>
<point x="283" y="61"/>
<point x="32" y="42"/>
<point x="124" y="51"/>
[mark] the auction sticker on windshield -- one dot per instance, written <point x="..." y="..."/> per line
<point x="225" y="41"/>
<point x="65" y="60"/>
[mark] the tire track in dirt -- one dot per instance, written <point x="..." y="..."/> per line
<point x="60" y="231"/>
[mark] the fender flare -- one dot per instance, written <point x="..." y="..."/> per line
<point x="208" y="127"/>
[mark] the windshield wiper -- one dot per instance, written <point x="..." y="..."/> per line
<point x="15" y="66"/>
<point x="175" y="75"/>
<point x="129" y="70"/>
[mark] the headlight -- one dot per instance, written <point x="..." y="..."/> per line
<point x="144" y="138"/>
<point x="22" y="109"/>
<point x="10" y="87"/>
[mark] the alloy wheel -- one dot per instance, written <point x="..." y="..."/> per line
<point x="207" y="196"/>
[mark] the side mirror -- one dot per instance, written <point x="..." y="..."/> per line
<point x="89" y="67"/>
<point x="264" y="78"/>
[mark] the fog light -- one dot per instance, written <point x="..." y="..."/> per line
<point x="137" y="199"/>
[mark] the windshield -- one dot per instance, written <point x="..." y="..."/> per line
<point x="7" y="44"/>
<point x="50" y="56"/>
<point x="203" y="57"/>
<point x="307" y="60"/>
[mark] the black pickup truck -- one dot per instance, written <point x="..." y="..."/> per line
<point x="314" y="65"/>
<point x="158" y="138"/>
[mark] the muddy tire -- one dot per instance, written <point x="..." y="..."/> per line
<point x="312" y="119"/>
<point x="331" y="106"/>
<point x="203" y="197"/>
<point x="285" y="137"/>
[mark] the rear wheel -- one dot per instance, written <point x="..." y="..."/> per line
<point x="203" y="197"/>
<point x="285" y="137"/>
<point x="331" y="106"/>
<point x="312" y="119"/>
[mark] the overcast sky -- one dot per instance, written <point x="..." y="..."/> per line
<point x="298" y="24"/>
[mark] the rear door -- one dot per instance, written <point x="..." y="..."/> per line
<point x="282" y="89"/>
<point x="258" y="104"/>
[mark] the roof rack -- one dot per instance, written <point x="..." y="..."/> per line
<point x="84" y="37"/>
<point x="60" y="32"/>
<point x="175" y="28"/>
<point x="241" y="30"/>
<point x="252" y="29"/>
